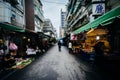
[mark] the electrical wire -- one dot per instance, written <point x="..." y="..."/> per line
<point x="53" y="2"/>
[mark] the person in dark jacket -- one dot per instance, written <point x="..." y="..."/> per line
<point x="99" y="52"/>
<point x="59" y="45"/>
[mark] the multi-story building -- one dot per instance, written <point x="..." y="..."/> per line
<point x="95" y="19"/>
<point x="63" y="17"/>
<point x="77" y="12"/>
<point x="48" y="28"/>
<point x="34" y="15"/>
<point x="12" y="14"/>
<point x="80" y="12"/>
<point x="63" y="24"/>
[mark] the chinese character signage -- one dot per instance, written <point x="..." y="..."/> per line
<point x="98" y="9"/>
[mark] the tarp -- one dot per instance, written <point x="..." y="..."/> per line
<point x="103" y="20"/>
<point x="11" y="27"/>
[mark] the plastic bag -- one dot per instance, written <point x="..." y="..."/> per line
<point x="13" y="46"/>
<point x="1" y="52"/>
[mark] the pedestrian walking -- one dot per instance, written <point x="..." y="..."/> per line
<point x="59" y="45"/>
<point x="70" y="46"/>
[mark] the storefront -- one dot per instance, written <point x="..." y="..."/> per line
<point x="8" y="34"/>
<point x="103" y="29"/>
<point x="95" y="36"/>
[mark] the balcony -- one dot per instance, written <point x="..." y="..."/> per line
<point x="80" y="14"/>
<point x="39" y="13"/>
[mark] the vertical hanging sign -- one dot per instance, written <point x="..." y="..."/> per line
<point x="98" y="7"/>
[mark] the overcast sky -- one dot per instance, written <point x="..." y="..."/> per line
<point x="52" y="9"/>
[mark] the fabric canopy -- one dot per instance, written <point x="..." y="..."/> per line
<point x="11" y="27"/>
<point x="103" y="20"/>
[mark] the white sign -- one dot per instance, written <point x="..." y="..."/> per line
<point x="98" y="9"/>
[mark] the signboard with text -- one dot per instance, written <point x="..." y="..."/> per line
<point x="98" y="9"/>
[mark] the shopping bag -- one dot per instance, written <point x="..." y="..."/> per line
<point x="13" y="46"/>
<point x="1" y="52"/>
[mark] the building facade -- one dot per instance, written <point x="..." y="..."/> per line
<point x="48" y="28"/>
<point x="63" y="24"/>
<point x="93" y="20"/>
<point x="77" y="11"/>
<point x="63" y="17"/>
<point x="13" y="12"/>
<point x="80" y="12"/>
<point x="34" y="15"/>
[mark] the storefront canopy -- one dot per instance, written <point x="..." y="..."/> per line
<point x="106" y="19"/>
<point x="11" y="27"/>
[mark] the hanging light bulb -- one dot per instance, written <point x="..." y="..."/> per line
<point x="97" y="37"/>
<point x="28" y="40"/>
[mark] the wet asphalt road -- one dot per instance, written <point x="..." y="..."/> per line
<point x="55" y="65"/>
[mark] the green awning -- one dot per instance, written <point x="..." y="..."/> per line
<point x="11" y="27"/>
<point x="103" y="20"/>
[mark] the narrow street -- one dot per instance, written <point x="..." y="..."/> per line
<point x="29" y="30"/>
<point x="55" y="65"/>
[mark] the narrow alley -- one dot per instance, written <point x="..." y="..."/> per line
<point x="33" y="31"/>
<point x="55" y="65"/>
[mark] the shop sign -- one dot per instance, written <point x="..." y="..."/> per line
<point x="98" y="9"/>
<point x="72" y="36"/>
